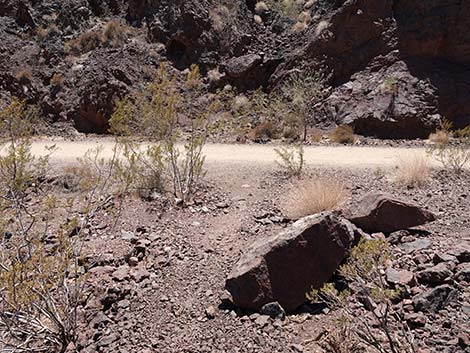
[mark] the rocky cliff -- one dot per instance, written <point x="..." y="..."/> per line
<point x="397" y="67"/>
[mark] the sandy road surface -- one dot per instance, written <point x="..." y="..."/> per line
<point x="219" y="154"/>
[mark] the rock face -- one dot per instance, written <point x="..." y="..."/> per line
<point x="380" y="212"/>
<point x="420" y="46"/>
<point x="285" y="267"/>
<point x="397" y="67"/>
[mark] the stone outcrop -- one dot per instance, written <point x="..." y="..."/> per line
<point x="285" y="267"/>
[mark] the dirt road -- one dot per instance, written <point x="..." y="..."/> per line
<point x="340" y="156"/>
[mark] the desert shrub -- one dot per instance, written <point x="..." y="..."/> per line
<point x="291" y="159"/>
<point x="115" y="33"/>
<point x="265" y="130"/>
<point x="299" y="92"/>
<point x="224" y="14"/>
<point x="412" y="171"/>
<point x="57" y="80"/>
<point x="85" y="42"/>
<point x="440" y="136"/>
<point x="153" y="113"/>
<point x="343" y="134"/>
<point x="287" y="9"/>
<point x="41" y="286"/>
<point x="24" y="76"/>
<point x="312" y="196"/>
<point x="452" y="153"/>
<point x="380" y="327"/>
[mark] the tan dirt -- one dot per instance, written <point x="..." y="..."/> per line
<point x="315" y="156"/>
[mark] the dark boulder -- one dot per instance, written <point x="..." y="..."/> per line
<point x="380" y="212"/>
<point x="285" y="267"/>
<point x="435" y="299"/>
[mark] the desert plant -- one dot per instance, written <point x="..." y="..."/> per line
<point x="343" y="134"/>
<point x="85" y="42"/>
<point x="57" y="80"/>
<point x="291" y="159"/>
<point x="312" y="196"/>
<point x="265" y="130"/>
<point x="287" y="9"/>
<point x="413" y="170"/>
<point x="40" y="282"/>
<point x="114" y="33"/>
<point x="301" y="90"/>
<point x="153" y="113"/>
<point x="381" y="328"/>
<point x="452" y="153"/>
<point x="24" y="76"/>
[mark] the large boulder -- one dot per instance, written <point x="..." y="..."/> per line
<point x="285" y="267"/>
<point x="380" y="212"/>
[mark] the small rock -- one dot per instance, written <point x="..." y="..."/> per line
<point x="464" y="340"/>
<point x="440" y="257"/>
<point x="463" y="273"/>
<point x="121" y="274"/>
<point x="210" y="312"/>
<point x="415" y="320"/>
<point x="133" y="261"/>
<point x="399" y="277"/>
<point x="273" y="310"/>
<point x="262" y="320"/>
<point x="297" y="348"/>
<point x="416" y="245"/>
<point x="380" y="212"/>
<point x="140" y="274"/>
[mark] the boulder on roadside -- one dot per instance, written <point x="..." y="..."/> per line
<point x="381" y="212"/>
<point x="285" y="267"/>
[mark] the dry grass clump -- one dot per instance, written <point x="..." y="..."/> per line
<point x="57" y="80"/>
<point x="312" y="196"/>
<point x="85" y="42"/>
<point x="413" y="170"/>
<point x="343" y="134"/>
<point x="440" y="136"/>
<point x="24" y="76"/>
<point x="113" y="34"/>
<point x="266" y="129"/>
<point x="261" y="7"/>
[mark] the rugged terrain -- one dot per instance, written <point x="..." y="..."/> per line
<point x="395" y="68"/>
<point x="160" y="273"/>
<point x="172" y="298"/>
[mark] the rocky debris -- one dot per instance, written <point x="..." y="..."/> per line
<point x="284" y="267"/>
<point x="437" y="274"/>
<point x="415" y="320"/>
<point x="380" y="212"/>
<point x="416" y="245"/>
<point x="463" y="273"/>
<point x="435" y="299"/>
<point x="400" y="277"/>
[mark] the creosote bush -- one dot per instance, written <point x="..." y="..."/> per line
<point x="343" y="134"/>
<point x="41" y="286"/>
<point x="311" y="196"/>
<point x="380" y="327"/>
<point x="153" y="113"/>
<point x="413" y="171"/>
